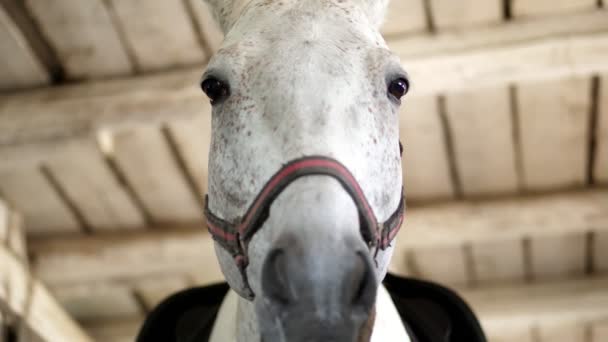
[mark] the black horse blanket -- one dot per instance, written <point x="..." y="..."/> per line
<point x="430" y="313"/>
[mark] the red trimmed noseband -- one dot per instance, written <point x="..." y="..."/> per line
<point x="235" y="237"/>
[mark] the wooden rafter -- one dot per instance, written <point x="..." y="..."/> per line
<point x="38" y="123"/>
<point x="152" y="252"/>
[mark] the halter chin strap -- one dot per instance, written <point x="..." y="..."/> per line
<point x="235" y="237"/>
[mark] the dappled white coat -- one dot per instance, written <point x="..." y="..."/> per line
<point x="307" y="78"/>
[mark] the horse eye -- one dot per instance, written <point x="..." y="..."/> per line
<point x="215" y="89"/>
<point x="399" y="87"/>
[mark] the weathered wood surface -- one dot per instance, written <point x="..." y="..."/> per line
<point x="599" y="330"/>
<point x="529" y="8"/>
<point x="514" y="308"/>
<point x="4" y="222"/>
<point x="151" y="291"/>
<point x="159" y="33"/>
<point x="210" y="32"/>
<point x="450" y="14"/>
<point x="403" y="17"/>
<point x="94" y="301"/>
<point x="426" y="171"/>
<point x="26" y="297"/>
<point x="482" y="134"/>
<point x="87" y="179"/>
<point x="445" y="265"/>
<point x="58" y="329"/>
<point x="145" y="158"/>
<point x="114" y="256"/>
<point x="47" y="213"/>
<point x="145" y="253"/>
<point x="38" y="124"/>
<point x="84" y="36"/>
<point x="600" y="173"/>
<point x="56" y="115"/>
<point x="469" y="221"/>
<point x="553" y="129"/>
<point x="21" y="68"/>
<point x="192" y="138"/>
<point x="563" y="332"/>
<point x="515" y="31"/>
<point x="114" y="331"/>
<point x="554" y="120"/>
<point x="498" y="262"/>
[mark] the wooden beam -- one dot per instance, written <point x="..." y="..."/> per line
<point x="125" y="255"/>
<point x="161" y="36"/>
<point x="26" y="297"/>
<point x="512" y="308"/>
<point x="189" y="249"/>
<point x="507" y="313"/>
<point x="20" y="67"/>
<point x="40" y="122"/>
<point x="84" y="37"/>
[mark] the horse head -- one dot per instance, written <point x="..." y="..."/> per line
<point x="305" y="191"/>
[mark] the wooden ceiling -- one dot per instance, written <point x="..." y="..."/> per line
<point x="104" y="136"/>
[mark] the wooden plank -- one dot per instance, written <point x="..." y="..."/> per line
<point x="88" y="181"/>
<point x="554" y="116"/>
<point x="192" y="138"/>
<point x="545" y="59"/>
<point x="599" y="331"/>
<point x="114" y="331"/>
<point x="61" y="327"/>
<point x="541" y="304"/>
<point x="83" y="35"/>
<point x="16" y="237"/>
<point x="47" y="213"/>
<point x="210" y="31"/>
<point x="114" y="255"/>
<point x="136" y="254"/>
<point x="67" y="113"/>
<point x="510" y="32"/>
<point x="600" y="251"/>
<point x="562" y="332"/>
<point x="512" y="335"/>
<point x="14" y="282"/>
<point x="152" y="291"/>
<point x="486" y="168"/>
<point x="159" y="33"/>
<point x="449" y="14"/>
<point x="600" y="175"/>
<point x="445" y="265"/>
<point x="425" y="168"/>
<point x="97" y="301"/>
<point x="150" y="167"/>
<point x="404" y="16"/>
<point x="560" y="256"/>
<point x="530" y="8"/>
<point x="4" y="222"/>
<point x="497" y="220"/>
<point x="498" y="261"/>
<point x="21" y="68"/>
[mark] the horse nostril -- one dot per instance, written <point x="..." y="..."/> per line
<point x="275" y="285"/>
<point x="364" y="279"/>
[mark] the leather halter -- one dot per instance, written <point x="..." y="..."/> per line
<point x="235" y="237"/>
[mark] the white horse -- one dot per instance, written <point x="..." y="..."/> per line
<point x="305" y="189"/>
<point x="296" y="78"/>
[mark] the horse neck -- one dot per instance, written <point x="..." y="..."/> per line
<point x="237" y="321"/>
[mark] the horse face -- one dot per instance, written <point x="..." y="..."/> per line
<point x="294" y="79"/>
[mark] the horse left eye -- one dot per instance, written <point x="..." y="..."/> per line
<point x="399" y="87"/>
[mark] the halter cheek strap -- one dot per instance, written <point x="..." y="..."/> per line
<point x="235" y="237"/>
